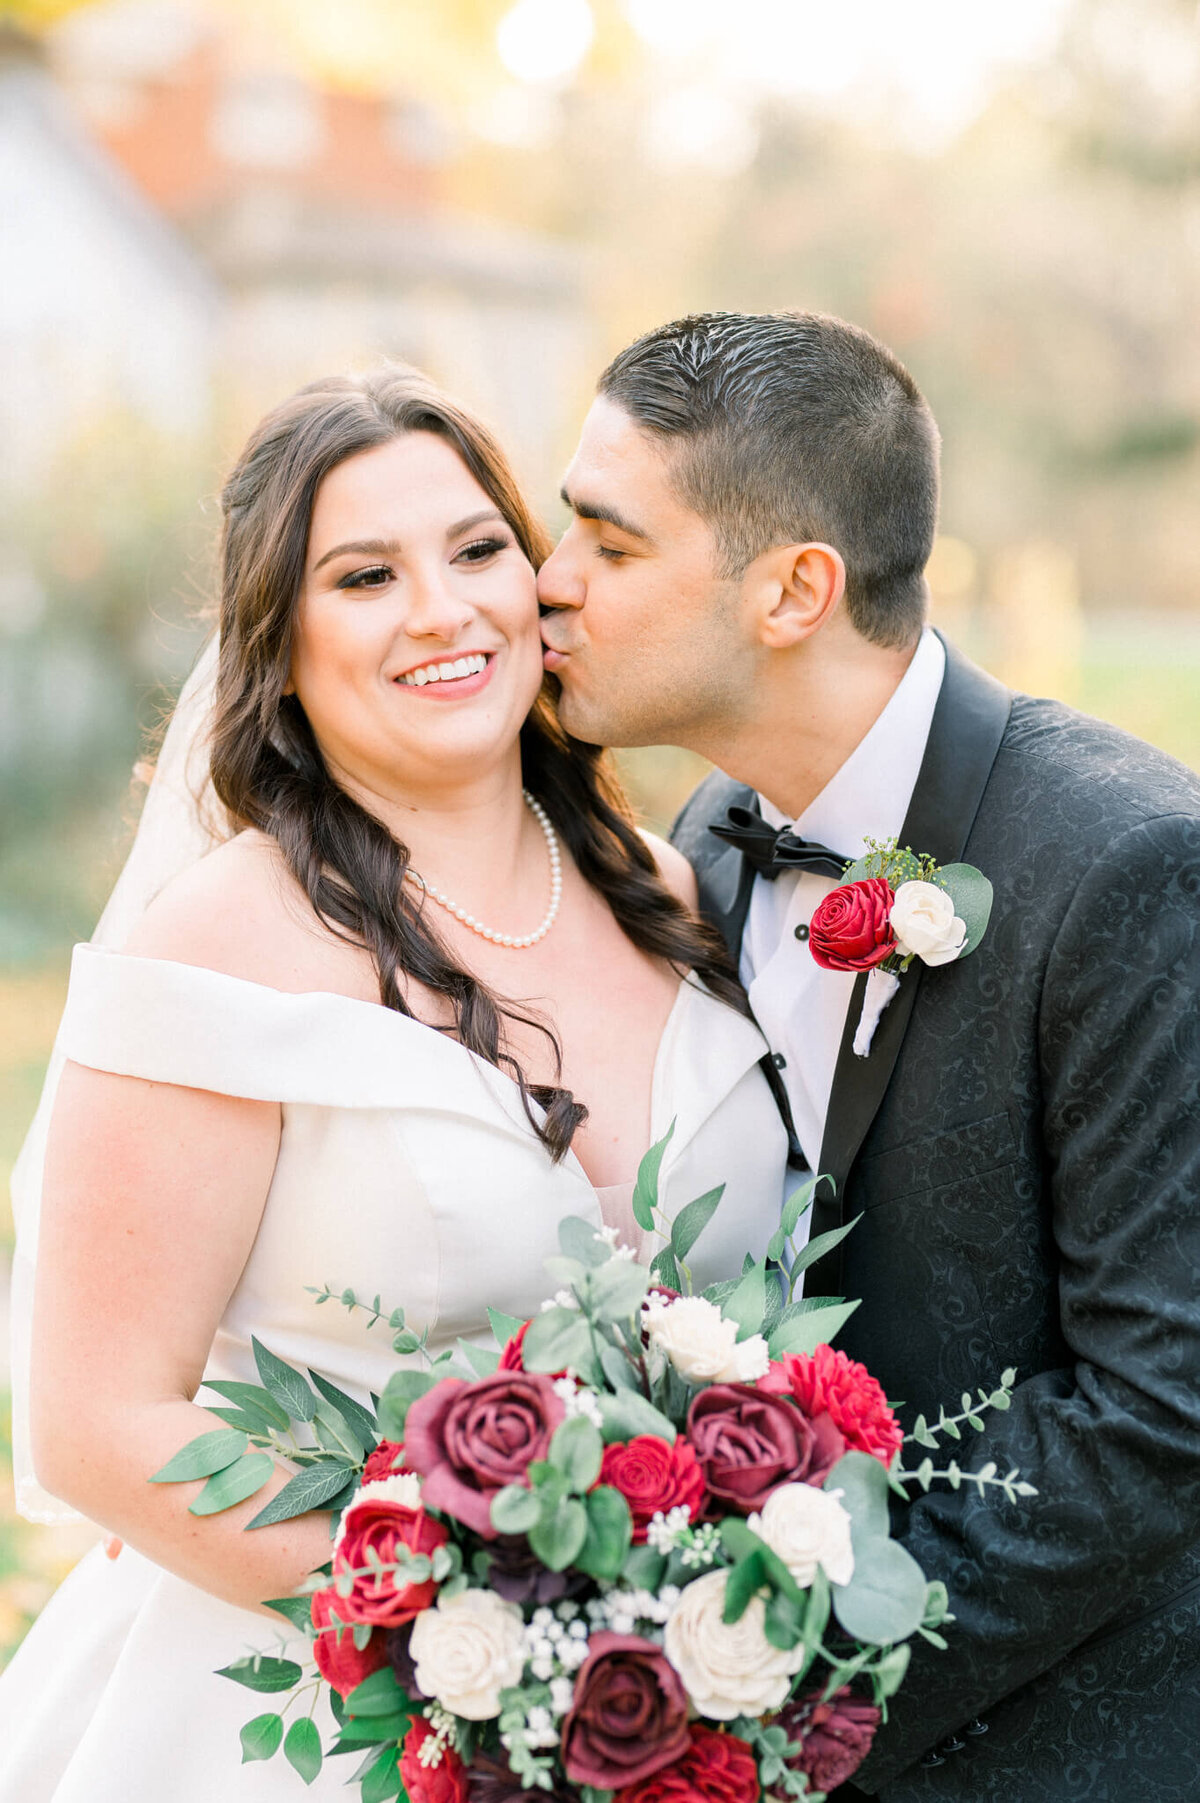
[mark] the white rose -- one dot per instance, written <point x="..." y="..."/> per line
<point x="467" y="1649"/>
<point x="807" y="1527"/>
<point x="702" y="1345"/>
<point x="728" y="1668"/>
<point x="924" y="922"/>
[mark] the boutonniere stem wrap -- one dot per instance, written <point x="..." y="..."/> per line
<point x="895" y="906"/>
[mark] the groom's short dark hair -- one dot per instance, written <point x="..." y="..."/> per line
<point x="795" y="427"/>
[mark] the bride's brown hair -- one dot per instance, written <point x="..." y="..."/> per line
<point x="269" y="773"/>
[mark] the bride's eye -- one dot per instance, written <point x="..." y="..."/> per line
<point x="480" y="549"/>
<point x="374" y="577"/>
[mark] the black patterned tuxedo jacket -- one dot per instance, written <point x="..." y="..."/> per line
<point x="1022" y="1147"/>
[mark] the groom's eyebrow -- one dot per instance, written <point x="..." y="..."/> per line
<point x="598" y="510"/>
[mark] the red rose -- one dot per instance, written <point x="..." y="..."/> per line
<point x="443" y="1782"/>
<point x="513" y="1356"/>
<point x="339" y="1661"/>
<point x="748" y="1442"/>
<point x="830" y="1383"/>
<point x="629" y="1717"/>
<point x="717" y="1768"/>
<point x="851" y="929"/>
<point x="386" y="1461"/>
<point x="835" y="1736"/>
<point x="468" y="1440"/>
<point x="387" y="1527"/>
<point x="651" y="1475"/>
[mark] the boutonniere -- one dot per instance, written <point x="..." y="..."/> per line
<point x="894" y="906"/>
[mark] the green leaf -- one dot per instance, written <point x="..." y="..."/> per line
<point x="379" y="1694"/>
<point x="748" y="1303"/>
<point x="609" y="1533"/>
<point x="558" y="1541"/>
<point x="286" y="1386"/>
<point x="233" y="1485"/>
<point x="797" y="1204"/>
<point x="645" y="1190"/>
<point x="310" y="1488"/>
<point x="664" y="1270"/>
<point x="616" y="1290"/>
<point x="885" y="1599"/>
<point x="804" y="1333"/>
<point x="261" y="1737"/>
<point x="203" y="1456"/>
<point x="576" y="1450"/>
<point x="628" y="1414"/>
<point x="360" y="1419"/>
<point x="821" y="1244"/>
<point x="864" y="1486"/>
<point x="556" y="1339"/>
<point x="245" y="1422"/>
<point x="579" y="1240"/>
<point x="369" y="1730"/>
<point x="565" y="1273"/>
<point x="505" y="1327"/>
<point x="336" y="1434"/>
<point x="617" y="1368"/>
<point x="891" y="1669"/>
<point x="382" y="1780"/>
<point x="971" y="894"/>
<point x="691" y="1221"/>
<point x="783" y="1623"/>
<point x="401" y="1390"/>
<point x="302" y="1748"/>
<point x="259" y="1672"/>
<point x="483" y="1360"/>
<point x="515" y="1509"/>
<point x="255" y="1401"/>
<point x="745" y="1580"/>
<point x="296" y="1609"/>
<point x="643" y="1568"/>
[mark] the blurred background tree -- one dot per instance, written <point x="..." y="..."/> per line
<point x="207" y="202"/>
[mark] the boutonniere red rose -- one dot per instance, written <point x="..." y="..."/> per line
<point x="893" y="907"/>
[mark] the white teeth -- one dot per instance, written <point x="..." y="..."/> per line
<point x="464" y="666"/>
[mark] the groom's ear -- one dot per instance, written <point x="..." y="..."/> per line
<point x="795" y="589"/>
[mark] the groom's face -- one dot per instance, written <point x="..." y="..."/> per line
<point x="644" y="634"/>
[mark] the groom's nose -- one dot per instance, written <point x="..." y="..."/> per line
<point x="559" y="581"/>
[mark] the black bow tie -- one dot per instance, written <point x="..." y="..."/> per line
<point x="772" y="849"/>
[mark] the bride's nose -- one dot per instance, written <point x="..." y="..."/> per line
<point x="433" y="609"/>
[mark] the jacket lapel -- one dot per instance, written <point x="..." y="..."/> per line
<point x="968" y="725"/>
<point x="725" y="882"/>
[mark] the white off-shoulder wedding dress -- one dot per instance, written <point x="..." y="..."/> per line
<point x="406" y="1166"/>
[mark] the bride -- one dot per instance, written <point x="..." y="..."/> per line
<point x="428" y="992"/>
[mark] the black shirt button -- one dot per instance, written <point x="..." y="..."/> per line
<point x="932" y="1759"/>
<point x="779" y="1061"/>
<point x="802" y="931"/>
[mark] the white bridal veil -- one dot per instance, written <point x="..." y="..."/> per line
<point x="181" y="821"/>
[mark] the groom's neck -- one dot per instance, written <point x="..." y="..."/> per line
<point x="814" y="706"/>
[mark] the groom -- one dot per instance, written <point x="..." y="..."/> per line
<point x="754" y="503"/>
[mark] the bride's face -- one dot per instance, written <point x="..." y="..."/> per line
<point x="416" y="653"/>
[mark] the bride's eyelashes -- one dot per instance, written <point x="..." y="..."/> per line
<point x="375" y="575"/>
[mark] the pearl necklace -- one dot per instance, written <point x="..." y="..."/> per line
<point x="477" y="926"/>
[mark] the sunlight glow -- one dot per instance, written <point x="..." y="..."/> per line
<point x="545" y="40"/>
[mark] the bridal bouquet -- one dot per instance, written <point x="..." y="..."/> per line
<point x="637" y="1550"/>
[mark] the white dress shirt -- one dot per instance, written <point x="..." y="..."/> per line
<point x="800" y="1007"/>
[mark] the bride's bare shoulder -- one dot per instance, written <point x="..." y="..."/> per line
<point x="240" y="911"/>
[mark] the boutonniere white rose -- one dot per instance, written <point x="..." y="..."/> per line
<point x="895" y="906"/>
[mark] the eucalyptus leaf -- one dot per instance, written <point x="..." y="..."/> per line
<point x="798" y="1203"/>
<point x="628" y="1414"/>
<point x="402" y="1389"/>
<point x="802" y="1334"/>
<point x="579" y="1240"/>
<point x="259" y="1672"/>
<point x="783" y="1622"/>
<point x="891" y="1669"/>
<point x="296" y="1609"/>
<point x="885" y="1599"/>
<point x="664" y="1270"/>
<point x="691" y="1221"/>
<point x="261" y="1737"/>
<point x="645" y="1190"/>
<point x="514" y="1510"/>
<point x="617" y="1368"/>
<point x="821" y="1244"/>
<point x="382" y="1780"/>
<point x="201" y="1457"/>
<point x="609" y="1533"/>
<point x="336" y="1434"/>
<point x="744" y="1582"/>
<point x="505" y="1327"/>
<point x="577" y="1450"/>
<point x="309" y="1489"/>
<point x="748" y="1303"/>
<point x="255" y="1400"/>
<point x="242" y="1419"/>
<point x="302" y="1748"/>
<point x="643" y="1568"/>
<point x="863" y="1483"/>
<point x="360" y="1418"/>
<point x="483" y="1360"/>
<point x="565" y="1273"/>
<point x="556" y="1339"/>
<point x="380" y="1694"/>
<point x="616" y="1290"/>
<point x="233" y="1485"/>
<point x="972" y="895"/>
<point x="286" y="1385"/>
<point x="558" y="1541"/>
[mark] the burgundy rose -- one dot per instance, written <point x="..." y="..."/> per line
<point x="444" y="1782"/>
<point x="630" y="1713"/>
<point x="851" y="930"/>
<point x="835" y="1736"/>
<point x="653" y="1475"/>
<point x="381" y="1525"/>
<point x="716" y="1768"/>
<point x="387" y="1460"/>
<point x="518" y="1575"/>
<point x="831" y="1384"/>
<point x="748" y="1442"/>
<point x="468" y="1440"/>
<point x="339" y="1661"/>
